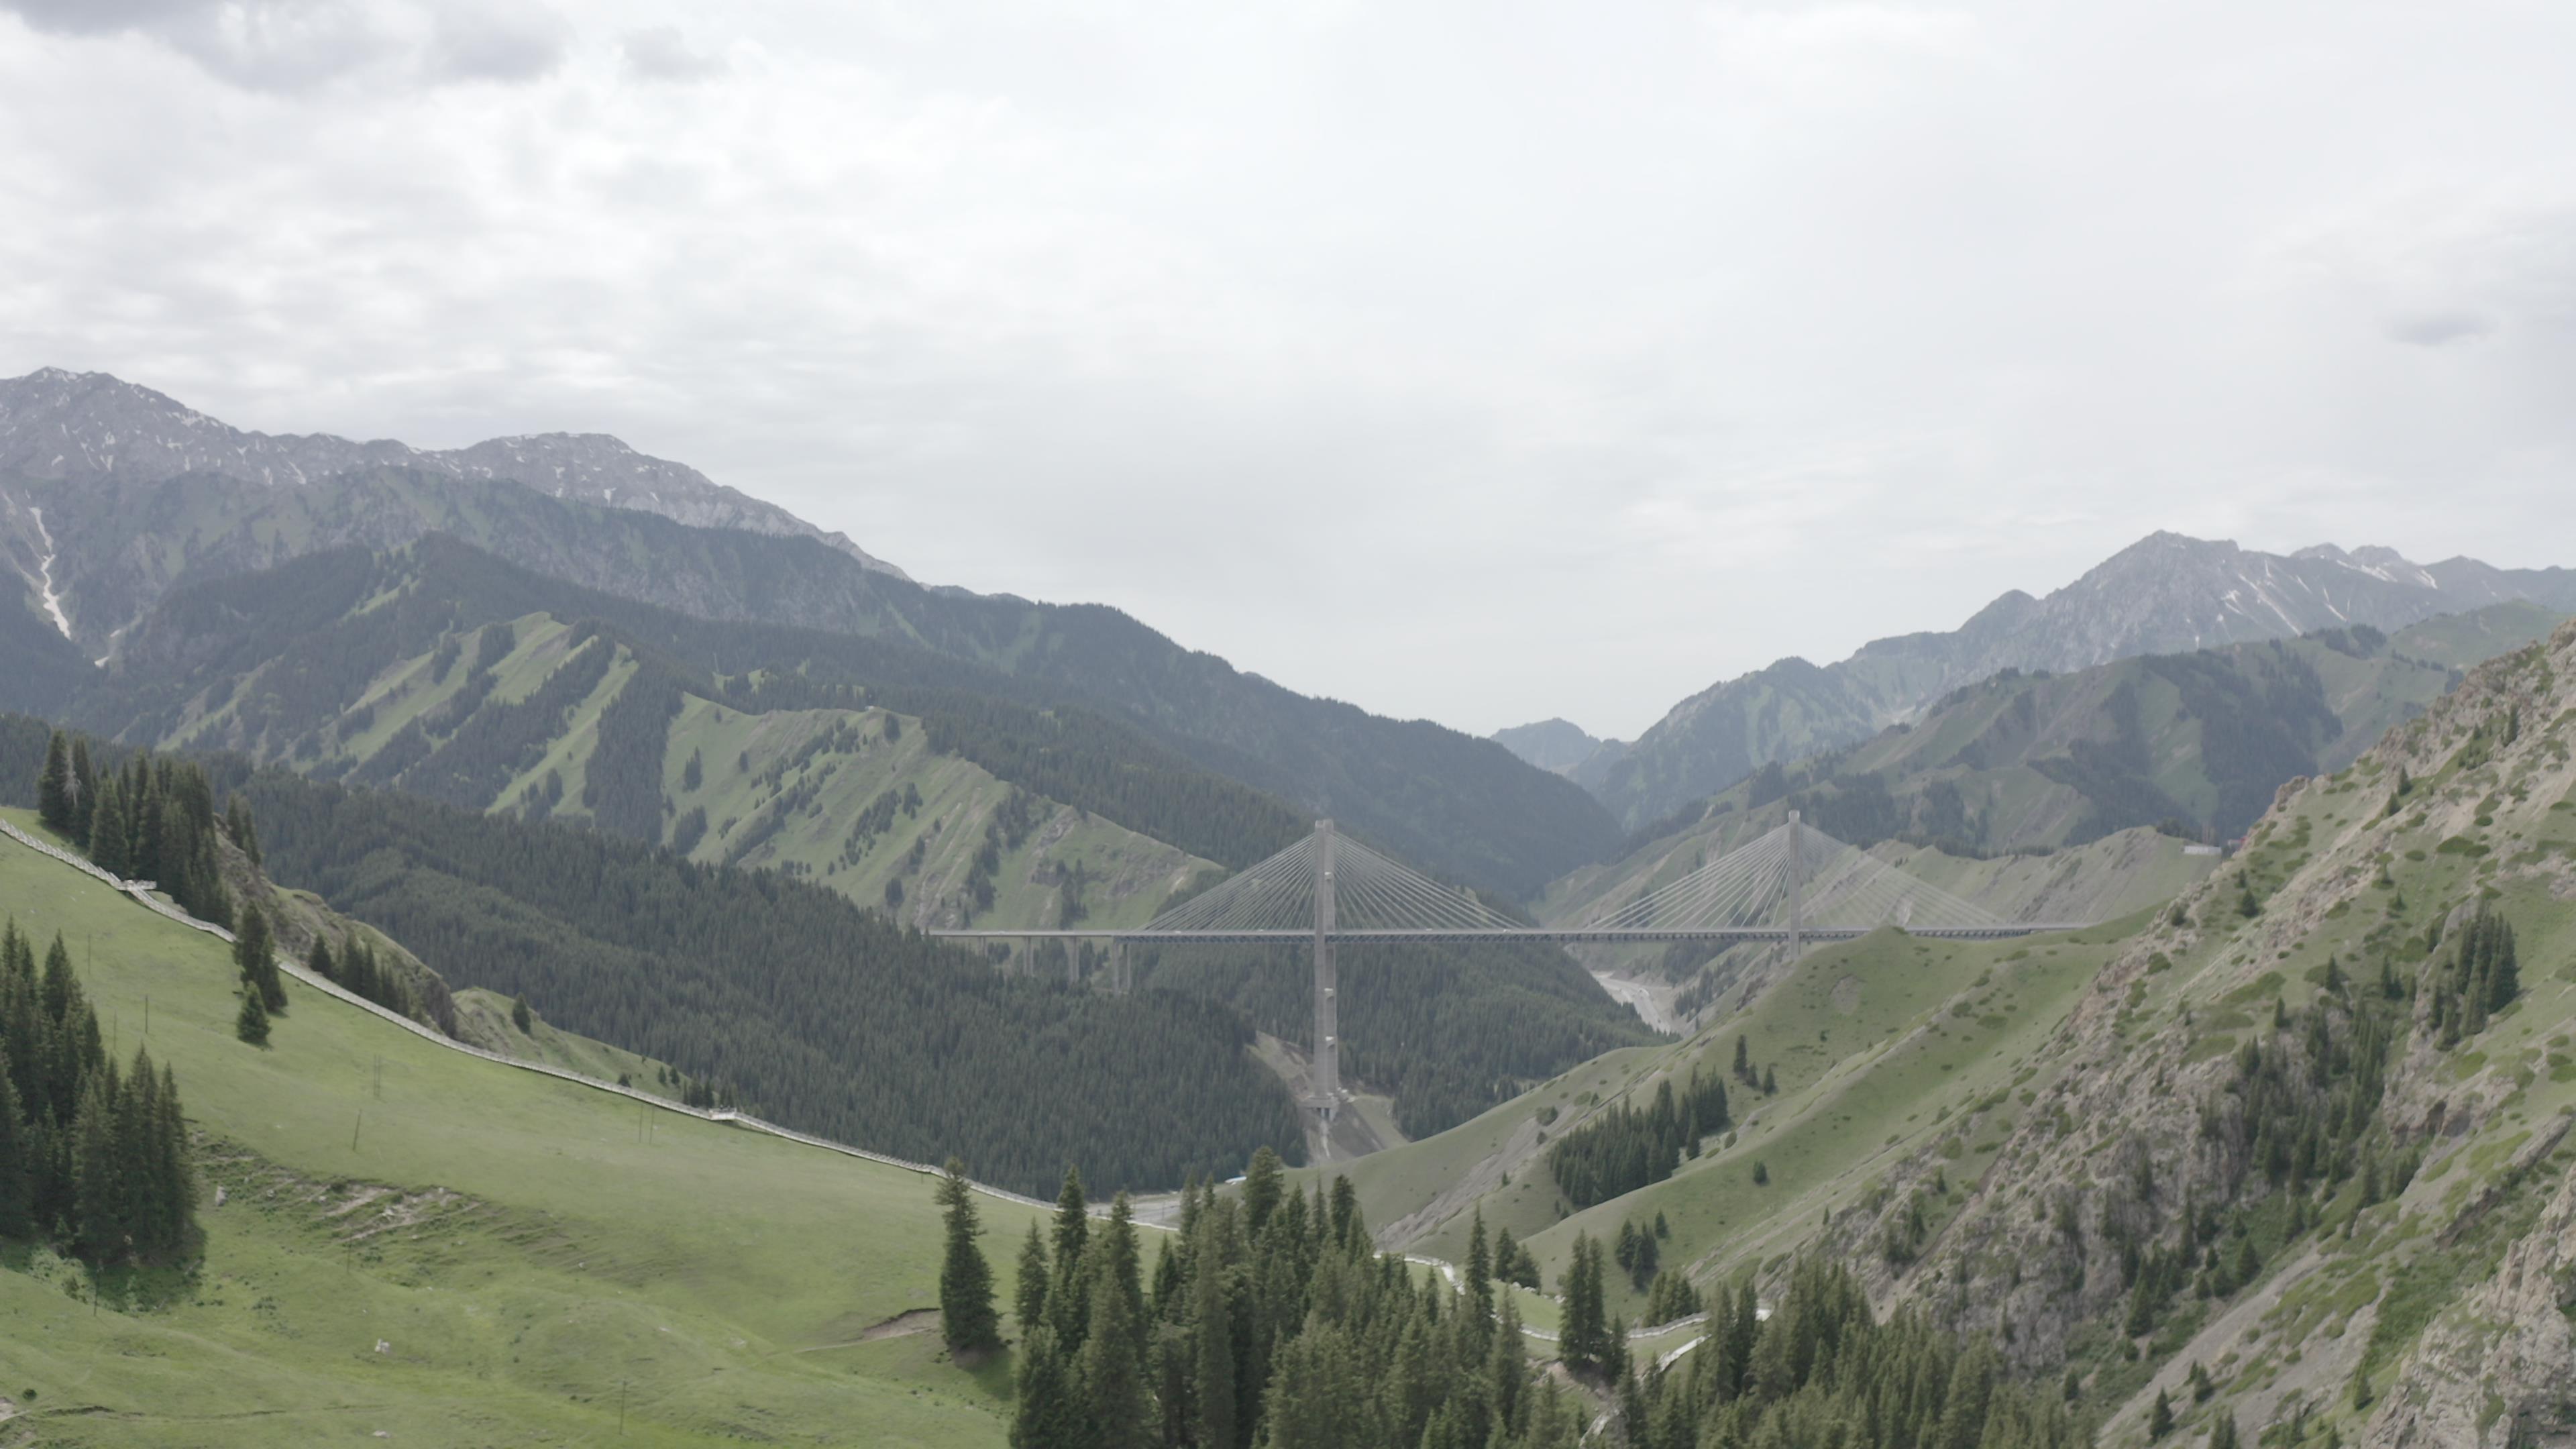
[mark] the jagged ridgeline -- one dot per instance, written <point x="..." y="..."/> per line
<point x="804" y="1007"/>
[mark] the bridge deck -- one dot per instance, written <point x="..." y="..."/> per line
<point x="1576" y="935"/>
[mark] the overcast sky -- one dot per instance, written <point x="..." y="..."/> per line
<point x="1483" y="361"/>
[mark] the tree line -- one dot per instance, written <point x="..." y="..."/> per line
<point x="1624" y="1148"/>
<point x="92" y="1158"/>
<point x="152" y="820"/>
<point x="1267" y="1319"/>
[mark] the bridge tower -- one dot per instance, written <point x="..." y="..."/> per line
<point x="1797" y="887"/>
<point x="1326" y="1073"/>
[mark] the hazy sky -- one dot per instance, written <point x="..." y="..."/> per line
<point x="1482" y="361"/>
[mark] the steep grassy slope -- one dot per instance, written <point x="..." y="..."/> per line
<point x="860" y="801"/>
<point x="508" y="716"/>
<point x="1873" y="1044"/>
<point x="2251" y="1131"/>
<point x="477" y="1255"/>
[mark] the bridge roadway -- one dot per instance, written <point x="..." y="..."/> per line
<point x="1574" y="935"/>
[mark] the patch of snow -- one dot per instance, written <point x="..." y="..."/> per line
<point x="45" y="575"/>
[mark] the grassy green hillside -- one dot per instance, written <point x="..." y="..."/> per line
<point x="1875" y="1044"/>
<point x="475" y="1254"/>
<point x="858" y="800"/>
<point x="839" y="796"/>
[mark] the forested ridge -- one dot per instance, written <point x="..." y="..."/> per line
<point x="808" y="1009"/>
<point x="326" y="624"/>
<point x="1463" y="806"/>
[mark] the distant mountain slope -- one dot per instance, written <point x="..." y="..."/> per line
<point x="89" y="427"/>
<point x="2162" y="595"/>
<point x="1555" y="745"/>
<point x="450" y="674"/>
<point x="2197" y="743"/>
<point x="1465" y="807"/>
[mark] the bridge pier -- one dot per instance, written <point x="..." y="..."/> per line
<point x="1797" y="887"/>
<point x="1325" y="1074"/>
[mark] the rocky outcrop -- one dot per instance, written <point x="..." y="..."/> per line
<point x="2498" y="1369"/>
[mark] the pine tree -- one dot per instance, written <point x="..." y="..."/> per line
<point x="1028" y="1301"/>
<point x="251" y="1022"/>
<point x="1069" y="1296"/>
<point x="237" y="824"/>
<point x="2224" y="1435"/>
<point x="1261" y="1190"/>
<point x="1117" y="1401"/>
<point x="54" y="786"/>
<point x="1585" y="1341"/>
<point x="519" y="1013"/>
<point x="255" y="955"/>
<point x="1479" y="1284"/>
<point x="108" y="849"/>
<point x="966" y="1315"/>
<point x="1506" y="1375"/>
<point x="84" y="791"/>
<point x="2160" y="1419"/>
<point x="1743" y="1061"/>
<point x="318" y="960"/>
<point x="1047" y="1410"/>
<point x="17" y="1162"/>
<point x="1211" y="1331"/>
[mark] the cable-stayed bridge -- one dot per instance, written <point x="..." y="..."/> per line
<point x="1794" y="884"/>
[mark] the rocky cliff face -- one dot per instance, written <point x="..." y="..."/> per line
<point x="57" y="425"/>
<point x="2319" y="1216"/>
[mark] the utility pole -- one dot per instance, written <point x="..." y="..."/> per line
<point x="1328" y="1063"/>
<point x="1797" y="887"/>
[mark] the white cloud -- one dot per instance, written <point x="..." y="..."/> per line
<point x="1485" y="367"/>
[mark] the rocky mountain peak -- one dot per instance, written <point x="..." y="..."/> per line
<point x="56" y="424"/>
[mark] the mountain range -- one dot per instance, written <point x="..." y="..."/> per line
<point x="2165" y="594"/>
<point x="112" y="497"/>
<point x="90" y="427"/>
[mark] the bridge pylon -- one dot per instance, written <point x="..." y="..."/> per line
<point x="1325" y="1072"/>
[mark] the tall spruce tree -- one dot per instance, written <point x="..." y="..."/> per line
<point x="17" y="1162"/>
<point x="250" y="1023"/>
<point x="1116" y="1391"/>
<point x="84" y="791"/>
<point x="255" y="956"/>
<point x="1211" y="1332"/>
<point x="966" y="1315"/>
<point x="54" y="786"/>
<point x="1029" y="1295"/>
